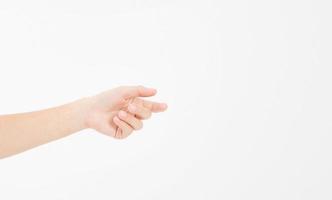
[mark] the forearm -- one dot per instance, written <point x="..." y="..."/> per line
<point x="117" y="113"/>
<point x="20" y="132"/>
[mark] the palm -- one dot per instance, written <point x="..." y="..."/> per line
<point x="104" y="118"/>
<point x="101" y="116"/>
<point x="107" y="105"/>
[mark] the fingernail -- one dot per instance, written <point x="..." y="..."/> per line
<point x="116" y="119"/>
<point x="163" y="106"/>
<point x="132" y="108"/>
<point x="122" y="113"/>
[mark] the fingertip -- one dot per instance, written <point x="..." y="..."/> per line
<point x="164" y="106"/>
<point x="161" y="107"/>
<point x="151" y="91"/>
<point x="146" y="92"/>
<point x="116" y="119"/>
<point x="122" y="114"/>
<point x="154" y="91"/>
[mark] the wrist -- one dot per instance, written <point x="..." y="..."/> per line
<point x="81" y="110"/>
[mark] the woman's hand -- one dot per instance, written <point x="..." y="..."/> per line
<point x="116" y="113"/>
<point x="120" y="111"/>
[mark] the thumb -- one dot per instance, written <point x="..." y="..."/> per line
<point x="128" y="92"/>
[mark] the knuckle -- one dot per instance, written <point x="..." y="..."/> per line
<point x="148" y="115"/>
<point x="130" y="131"/>
<point x="117" y="133"/>
<point x="140" y="126"/>
<point x="121" y="137"/>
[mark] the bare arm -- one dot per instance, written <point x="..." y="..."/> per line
<point x="116" y="113"/>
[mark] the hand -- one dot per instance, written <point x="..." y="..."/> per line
<point x="120" y="111"/>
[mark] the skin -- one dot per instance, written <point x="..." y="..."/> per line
<point x="116" y="113"/>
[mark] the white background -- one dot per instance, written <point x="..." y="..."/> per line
<point x="248" y="83"/>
